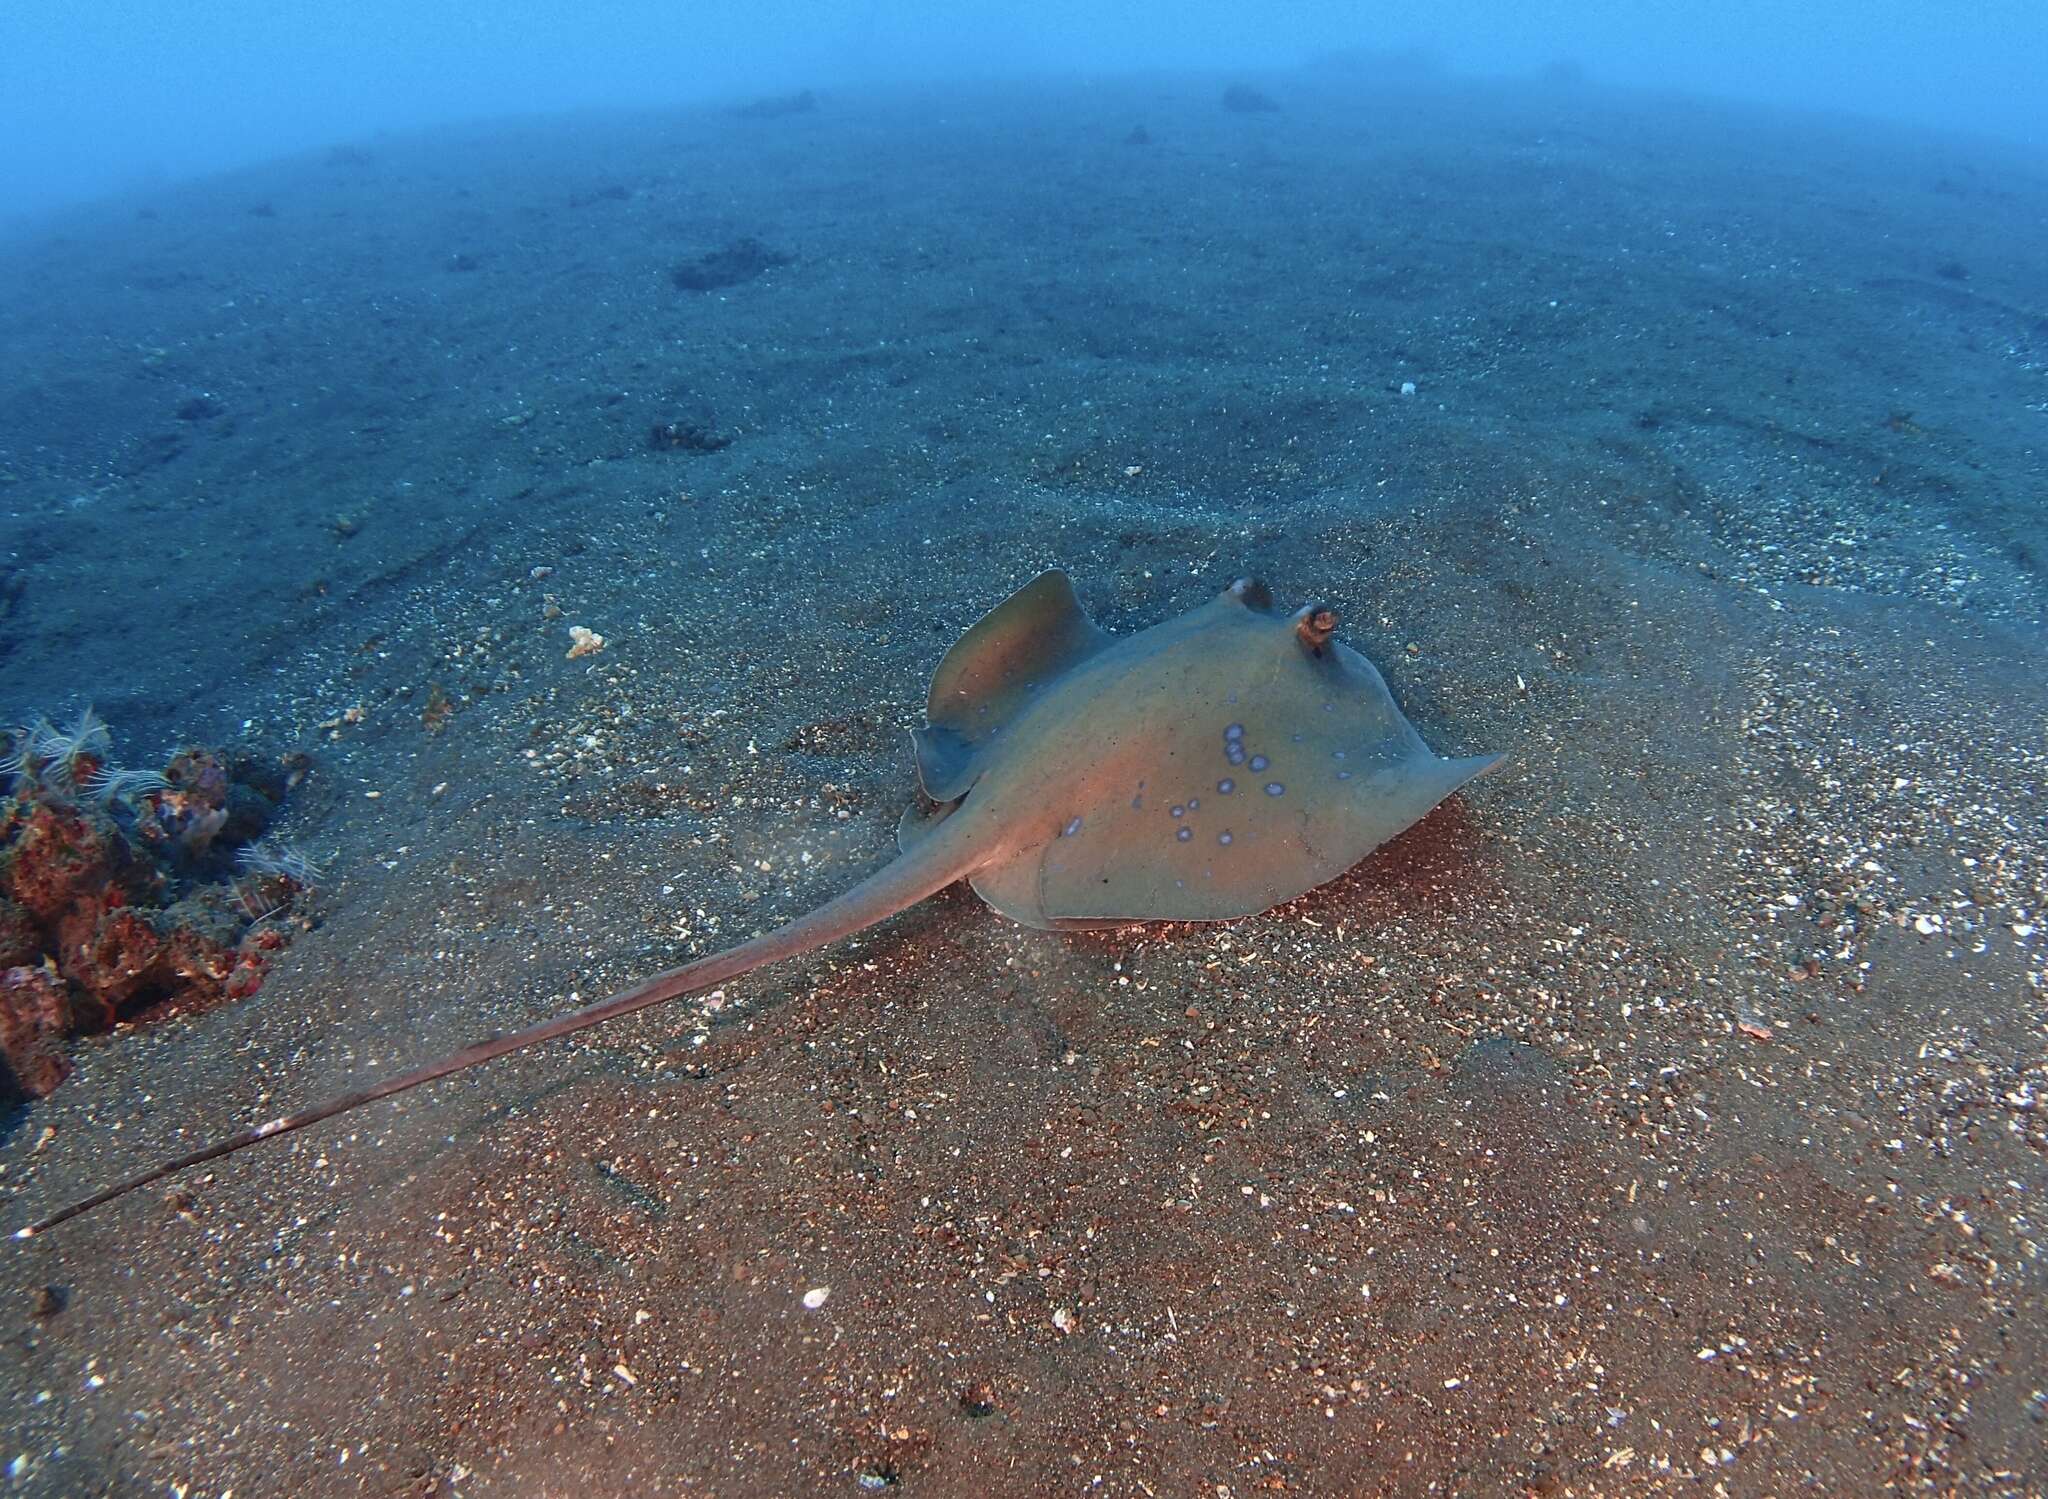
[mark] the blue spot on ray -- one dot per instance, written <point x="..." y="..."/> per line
<point x="1184" y="833"/>
<point x="1071" y="828"/>
<point x="1226" y="785"/>
<point x="1260" y="762"/>
<point x="1274" y="788"/>
<point x="1224" y="837"/>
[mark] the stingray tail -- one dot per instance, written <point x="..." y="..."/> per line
<point x="947" y="855"/>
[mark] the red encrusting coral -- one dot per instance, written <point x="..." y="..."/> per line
<point x="35" y="1017"/>
<point x="126" y="906"/>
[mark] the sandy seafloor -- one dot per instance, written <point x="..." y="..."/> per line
<point x="1666" y="1115"/>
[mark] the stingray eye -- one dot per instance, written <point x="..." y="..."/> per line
<point x="1314" y="626"/>
<point x="1251" y="593"/>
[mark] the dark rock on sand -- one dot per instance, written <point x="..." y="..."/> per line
<point x="742" y="260"/>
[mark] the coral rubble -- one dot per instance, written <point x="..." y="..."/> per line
<point x="127" y="896"/>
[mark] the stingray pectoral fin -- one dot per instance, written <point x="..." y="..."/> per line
<point x="1397" y="801"/>
<point x="948" y="852"/>
<point x="1014" y="886"/>
<point x="1469" y="768"/>
<point x="1224" y="854"/>
<point x="1454" y="775"/>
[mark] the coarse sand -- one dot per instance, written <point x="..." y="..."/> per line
<point x="1667" y="1114"/>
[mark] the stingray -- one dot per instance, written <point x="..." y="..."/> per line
<point x="1207" y="768"/>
